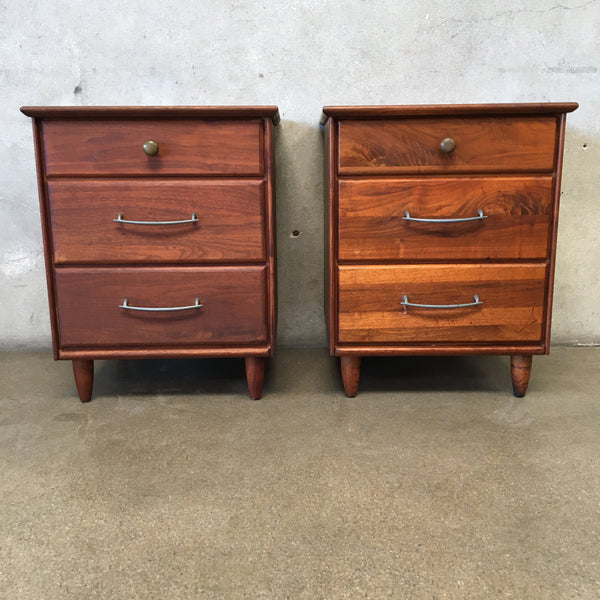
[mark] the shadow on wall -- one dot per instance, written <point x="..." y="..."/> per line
<point x="575" y="318"/>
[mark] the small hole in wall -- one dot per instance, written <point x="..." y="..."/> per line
<point x="295" y="233"/>
<point x="584" y="146"/>
<point x="78" y="89"/>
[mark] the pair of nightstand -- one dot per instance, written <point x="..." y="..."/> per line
<point x="159" y="232"/>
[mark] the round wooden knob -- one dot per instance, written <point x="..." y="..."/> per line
<point x="150" y="147"/>
<point x="447" y="145"/>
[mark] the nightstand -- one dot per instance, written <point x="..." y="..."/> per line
<point x="442" y="231"/>
<point x="158" y="227"/>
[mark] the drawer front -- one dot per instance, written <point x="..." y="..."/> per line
<point x="373" y="224"/>
<point x="412" y="145"/>
<point x="233" y="311"/>
<point x="228" y="223"/>
<point x="371" y="310"/>
<point x="186" y="147"/>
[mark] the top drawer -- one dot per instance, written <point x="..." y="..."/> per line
<point x="185" y="147"/>
<point x="412" y="145"/>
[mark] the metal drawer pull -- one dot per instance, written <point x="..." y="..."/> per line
<point x="120" y="219"/>
<point x="478" y="218"/>
<point x="406" y="303"/>
<point x="150" y="147"/>
<point x="165" y="309"/>
<point x="448" y="145"/>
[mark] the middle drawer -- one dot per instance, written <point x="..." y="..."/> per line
<point x="376" y="218"/>
<point x="227" y="221"/>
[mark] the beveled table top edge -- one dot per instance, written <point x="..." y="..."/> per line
<point x="58" y="112"/>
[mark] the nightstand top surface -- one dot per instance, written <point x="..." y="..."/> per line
<point x="133" y="112"/>
<point x="381" y="111"/>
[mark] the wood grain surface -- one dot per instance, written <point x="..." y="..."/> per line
<point x="512" y="310"/>
<point x="412" y="145"/>
<point x="230" y="227"/>
<point x="366" y="111"/>
<point x="186" y="147"/>
<point x="372" y="225"/>
<point x="233" y="298"/>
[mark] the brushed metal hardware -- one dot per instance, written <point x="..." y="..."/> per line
<point x="405" y="303"/>
<point x="150" y="147"/>
<point x="160" y="309"/>
<point x="120" y="219"/>
<point x="480" y="216"/>
<point x="448" y="145"/>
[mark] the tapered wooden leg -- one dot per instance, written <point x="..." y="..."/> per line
<point x="255" y="374"/>
<point x="520" y="369"/>
<point x="83" y="370"/>
<point x="350" y="374"/>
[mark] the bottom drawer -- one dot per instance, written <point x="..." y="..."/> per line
<point x="509" y="308"/>
<point x="90" y="306"/>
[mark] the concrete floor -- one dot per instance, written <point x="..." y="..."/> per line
<point x="434" y="482"/>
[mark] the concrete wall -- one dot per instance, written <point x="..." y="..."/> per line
<point x="300" y="56"/>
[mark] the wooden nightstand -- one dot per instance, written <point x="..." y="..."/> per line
<point x="158" y="227"/>
<point x="442" y="231"/>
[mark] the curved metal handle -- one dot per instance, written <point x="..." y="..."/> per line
<point x="476" y="302"/>
<point x="120" y="219"/>
<point x="160" y="309"/>
<point x="150" y="147"/>
<point x="480" y="217"/>
<point x="448" y="145"/>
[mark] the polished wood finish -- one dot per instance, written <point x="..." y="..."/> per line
<point x="89" y="299"/>
<point x="383" y="162"/>
<point x="512" y="308"/>
<point x="436" y="110"/>
<point x="230" y="227"/>
<point x="372" y="224"/>
<point x="330" y="232"/>
<point x="187" y="147"/>
<point x="153" y="112"/>
<point x="520" y="370"/>
<point x="212" y="162"/>
<point x="255" y="373"/>
<point x="83" y="372"/>
<point x="486" y="144"/>
<point x="350" y="366"/>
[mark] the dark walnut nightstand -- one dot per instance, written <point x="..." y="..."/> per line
<point x="158" y="227"/>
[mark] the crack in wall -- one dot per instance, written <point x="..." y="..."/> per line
<point x="509" y="14"/>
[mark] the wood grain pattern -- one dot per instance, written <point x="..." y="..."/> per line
<point x="559" y="149"/>
<point x="216" y="162"/>
<point x="386" y="160"/>
<point x="428" y="110"/>
<point x="233" y="298"/>
<point x="412" y="145"/>
<point x="372" y="228"/>
<point x="520" y="370"/>
<point x="153" y="112"/>
<point x="231" y="223"/>
<point x="437" y="349"/>
<point x="229" y="351"/>
<point x="512" y="310"/>
<point x="186" y="147"/>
